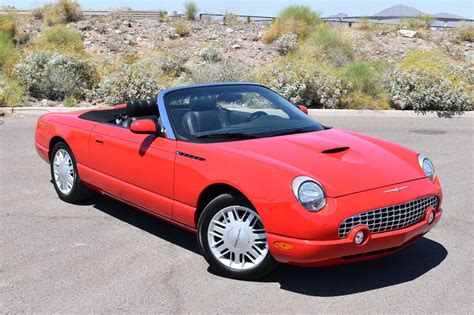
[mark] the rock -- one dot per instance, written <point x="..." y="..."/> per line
<point x="118" y="32"/>
<point x="229" y="30"/>
<point x="236" y="46"/>
<point x="407" y="33"/>
<point x="84" y="26"/>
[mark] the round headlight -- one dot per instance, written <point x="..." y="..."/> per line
<point x="309" y="193"/>
<point x="427" y="166"/>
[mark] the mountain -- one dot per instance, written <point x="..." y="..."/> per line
<point x="399" y="10"/>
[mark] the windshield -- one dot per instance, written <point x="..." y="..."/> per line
<point x="233" y="112"/>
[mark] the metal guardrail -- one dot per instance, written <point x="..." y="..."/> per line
<point x="349" y="20"/>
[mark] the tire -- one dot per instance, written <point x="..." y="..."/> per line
<point x="64" y="175"/>
<point x="232" y="239"/>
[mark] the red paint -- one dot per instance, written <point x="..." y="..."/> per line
<point x="145" y="171"/>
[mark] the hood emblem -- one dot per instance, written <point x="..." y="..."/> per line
<point x="398" y="189"/>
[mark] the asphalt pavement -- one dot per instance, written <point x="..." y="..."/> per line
<point x="104" y="257"/>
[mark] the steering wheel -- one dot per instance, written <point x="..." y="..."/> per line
<point x="256" y="115"/>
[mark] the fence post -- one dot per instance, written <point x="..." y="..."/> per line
<point x="248" y="19"/>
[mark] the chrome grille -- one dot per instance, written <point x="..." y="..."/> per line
<point x="390" y="218"/>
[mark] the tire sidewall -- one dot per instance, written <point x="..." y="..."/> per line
<point x="217" y="204"/>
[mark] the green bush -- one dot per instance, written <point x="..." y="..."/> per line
<point x="363" y="77"/>
<point x="11" y="93"/>
<point x="225" y="71"/>
<point x="63" y="11"/>
<point x="287" y="43"/>
<point x="465" y="32"/>
<point x="360" y="100"/>
<point x="420" y="90"/>
<point x="8" y="25"/>
<point x="181" y="28"/>
<point x="311" y="85"/>
<point x="7" y="48"/>
<point x="191" y="10"/>
<point x="60" y="38"/>
<point x="70" y="102"/>
<point x="210" y="54"/>
<point x="172" y="61"/>
<point x="330" y="44"/>
<point x="424" y="21"/>
<point x="130" y="81"/>
<point x="54" y="76"/>
<point x="293" y="19"/>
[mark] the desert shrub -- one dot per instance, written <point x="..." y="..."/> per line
<point x="361" y="100"/>
<point x="55" y="76"/>
<point x="11" y="93"/>
<point x="309" y="85"/>
<point x="293" y="19"/>
<point x="63" y="11"/>
<point x="210" y="54"/>
<point x="130" y="81"/>
<point x="7" y="48"/>
<point x="420" y="90"/>
<point x="172" y="61"/>
<point x="8" y="25"/>
<point x="287" y="43"/>
<point x="225" y="71"/>
<point x="181" y="28"/>
<point x="59" y="38"/>
<point x="363" y="77"/>
<point x="190" y="10"/>
<point x="465" y="32"/>
<point x="70" y="102"/>
<point x="424" y="21"/>
<point x="330" y="44"/>
<point x="231" y="18"/>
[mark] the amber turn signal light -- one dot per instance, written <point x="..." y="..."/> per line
<point x="283" y="245"/>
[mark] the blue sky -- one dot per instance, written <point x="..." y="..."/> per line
<point x="272" y="7"/>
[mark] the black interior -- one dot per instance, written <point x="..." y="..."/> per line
<point x="123" y="117"/>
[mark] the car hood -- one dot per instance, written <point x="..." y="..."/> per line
<point x="343" y="162"/>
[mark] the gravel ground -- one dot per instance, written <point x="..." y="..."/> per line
<point x="105" y="257"/>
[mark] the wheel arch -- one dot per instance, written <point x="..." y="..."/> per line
<point x="53" y="142"/>
<point x="211" y="192"/>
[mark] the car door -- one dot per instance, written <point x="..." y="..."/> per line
<point x="134" y="167"/>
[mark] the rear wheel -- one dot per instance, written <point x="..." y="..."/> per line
<point x="232" y="238"/>
<point x="66" y="180"/>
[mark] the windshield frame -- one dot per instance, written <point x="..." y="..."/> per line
<point x="169" y="123"/>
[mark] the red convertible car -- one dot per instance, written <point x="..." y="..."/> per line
<point x="257" y="179"/>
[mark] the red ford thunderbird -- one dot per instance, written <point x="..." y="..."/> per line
<point x="257" y="179"/>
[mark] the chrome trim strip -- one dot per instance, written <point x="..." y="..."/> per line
<point x="160" y="100"/>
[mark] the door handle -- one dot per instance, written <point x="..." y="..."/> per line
<point x="99" y="139"/>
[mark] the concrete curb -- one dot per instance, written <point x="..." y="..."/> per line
<point x="36" y="111"/>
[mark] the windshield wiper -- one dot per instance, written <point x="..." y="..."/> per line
<point x="290" y="132"/>
<point x="238" y="135"/>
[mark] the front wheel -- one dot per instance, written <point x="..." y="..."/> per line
<point x="232" y="239"/>
<point x="66" y="180"/>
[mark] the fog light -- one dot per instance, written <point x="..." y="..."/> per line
<point x="359" y="237"/>
<point x="431" y="217"/>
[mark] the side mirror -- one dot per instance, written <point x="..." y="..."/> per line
<point x="304" y="109"/>
<point x="146" y="126"/>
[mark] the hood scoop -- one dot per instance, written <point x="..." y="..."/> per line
<point x="335" y="150"/>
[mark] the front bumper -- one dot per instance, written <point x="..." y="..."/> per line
<point x="333" y="252"/>
<point x="314" y="238"/>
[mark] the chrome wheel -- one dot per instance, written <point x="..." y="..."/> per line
<point x="63" y="170"/>
<point x="237" y="238"/>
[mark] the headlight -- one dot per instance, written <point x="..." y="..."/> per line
<point x="309" y="193"/>
<point x="427" y="166"/>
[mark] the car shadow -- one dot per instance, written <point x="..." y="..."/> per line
<point x="406" y="265"/>
<point x="145" y="222"/>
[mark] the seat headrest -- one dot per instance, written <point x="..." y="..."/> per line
<point x="202" y="103"/>
<point x="137" y="108"/>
